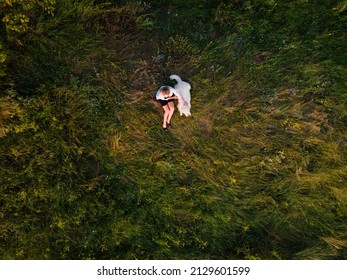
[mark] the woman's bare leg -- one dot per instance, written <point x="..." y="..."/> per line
<point x="166" y="115"/>
<point x="171" y="106"/>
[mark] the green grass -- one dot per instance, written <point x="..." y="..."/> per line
<point x="257" y="172"/>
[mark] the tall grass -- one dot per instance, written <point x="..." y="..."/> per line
<point x="257" y="172"/>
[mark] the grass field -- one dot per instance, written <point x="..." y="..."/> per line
<point x="257" y="172"/>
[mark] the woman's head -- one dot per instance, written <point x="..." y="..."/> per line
<point x="165" y="91"/>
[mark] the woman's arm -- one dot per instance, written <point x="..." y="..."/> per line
<point x="179" y="98"/>
<point x="177" y="95"/>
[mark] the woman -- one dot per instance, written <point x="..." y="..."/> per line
<point x="166" y="95"/>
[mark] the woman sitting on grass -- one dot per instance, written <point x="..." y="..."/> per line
<point x="166" y="95"/>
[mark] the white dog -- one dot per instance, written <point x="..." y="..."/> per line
<point x="183" y="89"/>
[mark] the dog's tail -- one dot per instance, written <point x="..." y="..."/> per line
<point x="175" y="77"/>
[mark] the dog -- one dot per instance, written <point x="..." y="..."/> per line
<point x="183" y="89"/>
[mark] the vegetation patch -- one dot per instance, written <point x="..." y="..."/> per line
<point x="257" y="172"/>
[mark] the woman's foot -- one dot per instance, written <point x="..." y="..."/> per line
<point x="165" y="128"/>
<point x="168" y="125"/>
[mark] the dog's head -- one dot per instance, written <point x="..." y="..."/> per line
<point x="175" y="77"/>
